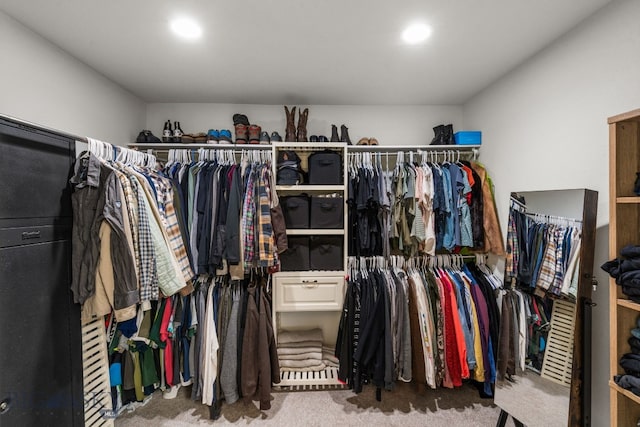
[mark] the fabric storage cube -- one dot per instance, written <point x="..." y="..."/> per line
<point x="326" y="253"/>
<point x="327" y="212"/>
<point x="325" y="168"/>
<point x="296" y="258"/>
<point x="296" y="211"/>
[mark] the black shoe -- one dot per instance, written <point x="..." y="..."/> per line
<point x="438" y="138"/>
<point x="313" y="138"/>
<point x="167" y="133"/>
<point x="334" y="134"/>
<point x="344" y="135"/>
<point x="146" y="136"/>
<point x="240" y="119"/>
<point x="322" y="138"/>
<point x="264" y="138"/>
<point x="275" y="136"/>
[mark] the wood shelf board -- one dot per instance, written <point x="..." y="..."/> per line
<point x="628" y="304"/>
<point x="627" y="393"/>
<point x="629" y="115"/>
<point x="628" y="199"/>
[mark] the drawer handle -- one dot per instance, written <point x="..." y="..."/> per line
<point x="310" y="284"/>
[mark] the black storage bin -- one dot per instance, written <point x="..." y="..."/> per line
<point x="325" y="168"/>
<point x="327" y="212"/>
<point x="326" y="253"/>
<point x="296" y="211"/>
<point x="296" y="258"/>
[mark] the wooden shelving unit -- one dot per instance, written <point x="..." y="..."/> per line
<point x="624" y="229"/>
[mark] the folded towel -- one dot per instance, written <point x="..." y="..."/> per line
<point x="296" y="336"/>
<point x="326" y="356"/>
<point x="300" y="363"/>
<point x="320" y="367"/>
<point x="298" y="350"/>
<point x="315" y="344"/>
<point x="302" y="356"/>
<point x="330" y="363"/>
<point x="311" y="368"/>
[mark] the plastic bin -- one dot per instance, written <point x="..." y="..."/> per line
<point x="468" y="137"/>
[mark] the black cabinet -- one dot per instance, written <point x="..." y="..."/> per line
<point x="40" y="338"/>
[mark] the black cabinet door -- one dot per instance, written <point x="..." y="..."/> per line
<point x="40" y="339"/>
<point x="34" y="173"/>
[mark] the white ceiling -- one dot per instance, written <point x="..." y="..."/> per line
<point x="304" y="51"/>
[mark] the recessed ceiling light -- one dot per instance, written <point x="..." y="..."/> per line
<point x="186" y="28"/>
<point x="416" y="33"/>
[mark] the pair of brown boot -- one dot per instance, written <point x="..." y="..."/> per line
<point x="291" y="134"/>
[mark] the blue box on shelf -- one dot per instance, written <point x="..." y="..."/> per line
<point x="468" y="137"/>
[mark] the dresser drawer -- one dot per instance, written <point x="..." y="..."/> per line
<point x="309" y="293"/>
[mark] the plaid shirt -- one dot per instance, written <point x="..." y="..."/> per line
<point x="164" y="194"/>
<point x="511" y="262"/>
<point x="148" y="269"/>
<point x="248" y="213"/>
<point x="558" y="278"/>
<point x="265" y="237"/>
<point x="548" y="269"/>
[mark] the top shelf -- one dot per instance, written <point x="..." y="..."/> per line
<point x="293" y="144"/>
<point x="413" y="147"/>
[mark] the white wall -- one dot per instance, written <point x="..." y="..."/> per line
<point x="391" y="125"/>
<point x="545" y="127"/>
<point x="45" y="85"/>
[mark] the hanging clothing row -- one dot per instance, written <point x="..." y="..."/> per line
<point x="127" y="245"/>
<point x="435" y="325"/>
<point x="218" y="339"/>
<point x="230" y="210"/>
<point x="420" y="207"/>
<point x="543" y="252"/>
<point x="524" y="329"/>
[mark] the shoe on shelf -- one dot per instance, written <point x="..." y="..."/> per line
<point x="146" y="136"/>
<point x="373" y="141"/>
<point x="363" y="141"/>
<point x="187" y="138"/>
<point x="200" y="138"/>
<point x="439" y="137"/>
<point x="344" y="134"/>
<point x="167" y="132"/>
<point x="213" y="136"/>
<point x="240" y="119"/>
<point x="177" y="132"/>
<point x="322" y="138"/>
<point x="313" y="138"/>
<point x="242" y="133"/>
<point x="264" y="138"/>
<point x="225" y="136"/>
<point x="275" y="136"/>
<point x="334" y="134"/>
<point x="254" y="134"/>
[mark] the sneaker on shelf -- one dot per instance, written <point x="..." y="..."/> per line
<point x="177" y="132"/>
<point x="225" y="136"/>
<point x="187" y="138"/>
<point x="264" y="138"/>
<point x="275" y="136"/>
<point x="213" y="136"/>
<point x="167" y="132"/>
<point x="172" y="392"/>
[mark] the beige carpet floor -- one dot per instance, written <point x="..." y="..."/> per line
<point x="403" y="407"/>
